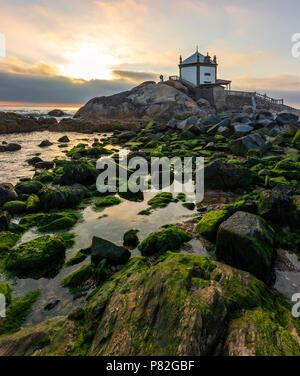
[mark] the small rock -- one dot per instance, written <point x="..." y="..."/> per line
<point x="45" y="143"/>
<point x="10" y="147"/>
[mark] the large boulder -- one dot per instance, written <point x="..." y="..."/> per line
<point x="103" y="249"/>
<point x="7" y="193"/>
<point x="220" y="175"/>
<point x="146" y="101"/>
<point x="242" y="145"/>
<point x="246" y="242"/>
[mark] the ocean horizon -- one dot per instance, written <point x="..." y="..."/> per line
<point x="37" y="111"/>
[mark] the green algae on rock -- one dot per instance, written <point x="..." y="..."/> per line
<point x="182" y="305"/>
<point x="58" y="221"/>
<point x="7" y="241"/>
<point x="108" y="201"/>
<point x="209" y="224"/>
<point x="17" y="311"/>
<point x="15" y="207"/>
<point x="161" y="200"/>
<point x="38" y="258"/>
<point x="169" y="239"/>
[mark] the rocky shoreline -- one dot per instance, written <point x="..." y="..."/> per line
<point x="166" y="301"/>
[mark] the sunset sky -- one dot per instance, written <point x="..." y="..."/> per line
<point x="68" y="51"/>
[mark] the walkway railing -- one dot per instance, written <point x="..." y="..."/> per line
<point x="256" y="95"/>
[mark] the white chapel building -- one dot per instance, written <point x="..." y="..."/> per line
<point x="200" y="70"/>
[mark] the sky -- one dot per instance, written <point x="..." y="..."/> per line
<point x="69" y="51"/>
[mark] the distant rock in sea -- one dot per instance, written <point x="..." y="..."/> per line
<point x="56" y="113"/>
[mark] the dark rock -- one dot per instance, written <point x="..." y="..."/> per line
<point x="242" y="145"/>
<point x="276" y="207"/>
<point x="56" y="113"/>
<point x="43" y="165"/>
<point x="7" y="193"/>
<point x="242" y="129"/>
<point x="127" y="135"/>
<point x="212" y="120"/>
<point x="227" y="176"/>
<point x="64" y="139"/>
<point x="51" y="304"/>
<point x="131" y="239"/>
<point x="103" y="249"/>
<point x="45" y="143"/>
<point x="4" y="221"/>
<point x="10" y="147"/>
<point x="264" y="114"/>
<point x="153" y="136"/>
<point x="33" y="161"/>
<point x="246" y="242"/>
<point x="61" y="197"/>
<point x="286" y="118"/>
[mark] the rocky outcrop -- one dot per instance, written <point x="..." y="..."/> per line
<point x="182" y="305"/>
<point x="11" y="123"/>
<point x="146" y="101"/>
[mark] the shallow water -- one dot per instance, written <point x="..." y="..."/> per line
<point x="13" y="165"/>
<point x="110" y="223"/>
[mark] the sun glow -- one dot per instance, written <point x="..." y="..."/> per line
<point x="88" y="63"/>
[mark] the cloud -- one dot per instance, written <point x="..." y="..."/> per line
<point x="134" y="76"/>
<point x="272" y="82"/>
<point x="17" y="66"/>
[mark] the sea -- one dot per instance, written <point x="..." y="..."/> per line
<point x="38" y="111"/>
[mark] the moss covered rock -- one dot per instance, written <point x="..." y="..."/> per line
<point x="38" y="258"/>
<point x="29" y="187"/>
<point x="258" y="333"/>
<point x="50" y="222"/>
<point x="77" y="278"/>
<point x="32" y="204"/>
<point x="15" y="207"/>
<point x="209" y="224"/>
<point x="17" y="310"/>
<point x="246" y="242"/>
<point x="169" y="239"/>
<point x="108" y="201"/>
<point x="161" y="200"/>
<point x="7" y="241"/>
<point x="275" y="206"/>
<point x="62" y="197"/>
<point x="179" y="306"/>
